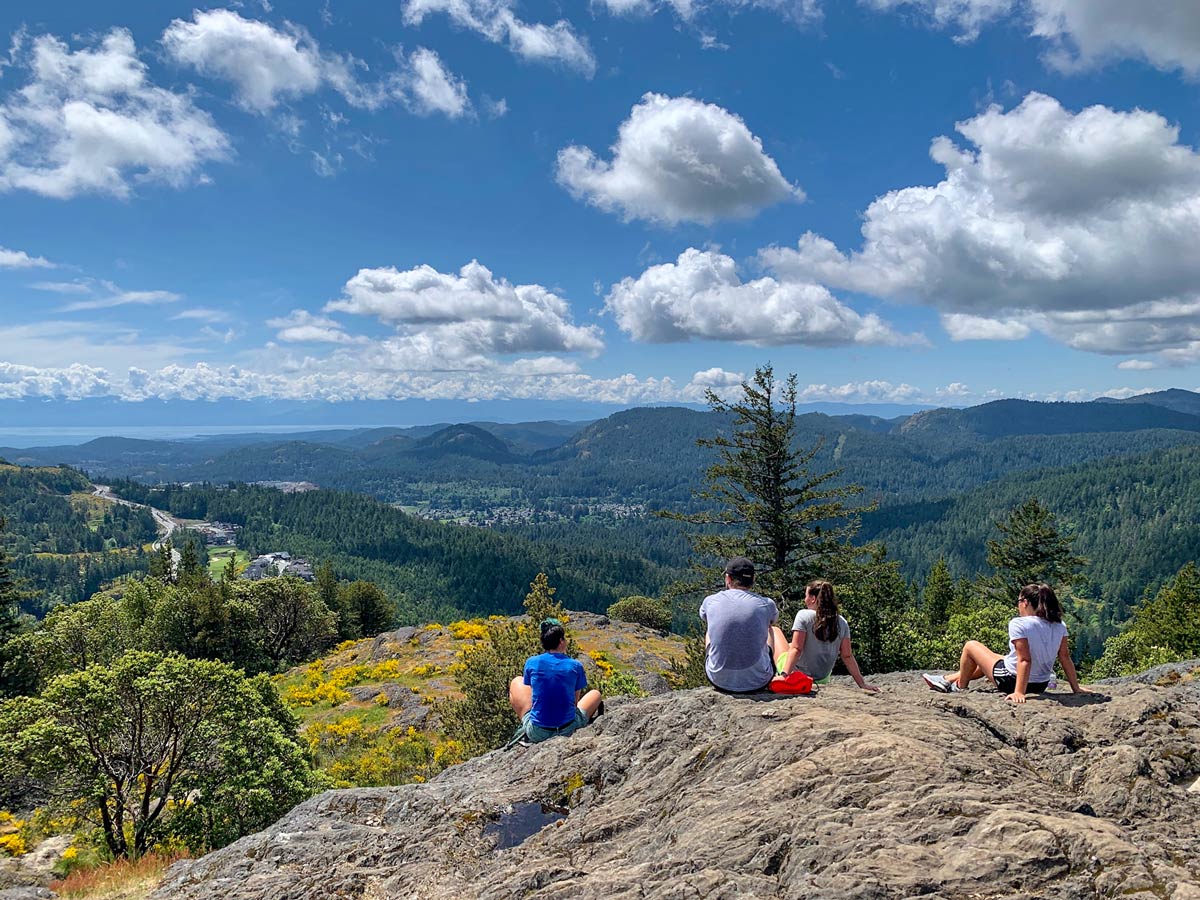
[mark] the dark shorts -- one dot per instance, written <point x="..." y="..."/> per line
<point x="1006" y="682"/>
<point x="766" y="684"/>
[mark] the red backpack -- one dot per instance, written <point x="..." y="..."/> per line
<point x="792" y="683"/>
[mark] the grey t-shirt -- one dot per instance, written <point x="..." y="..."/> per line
<point x="818" y="656"/>
<point x="739" y="626"/>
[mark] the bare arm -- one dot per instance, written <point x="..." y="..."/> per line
<point x="795" y="648"/>
<point x="1024" y="664"/>
<point x="851" y="665"/>
<point x="1068" y="667"/>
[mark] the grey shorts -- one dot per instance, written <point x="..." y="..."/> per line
<point x="535" y="733"/>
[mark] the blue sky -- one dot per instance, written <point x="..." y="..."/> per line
<point x="911" y="201"/>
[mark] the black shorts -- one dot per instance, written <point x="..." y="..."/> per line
<point x="1006" y="682"/>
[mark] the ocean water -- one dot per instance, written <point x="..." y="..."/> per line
<point x="49" y="436"/>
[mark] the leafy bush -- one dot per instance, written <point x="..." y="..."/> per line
<point x="207" y="733"/>
<point x="642" y="611"/>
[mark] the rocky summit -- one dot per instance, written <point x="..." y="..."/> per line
<point x="840" y="794"/>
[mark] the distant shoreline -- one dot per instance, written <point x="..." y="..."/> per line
<point x="54" y="436"/>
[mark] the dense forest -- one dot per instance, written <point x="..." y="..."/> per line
<point x="1136" y="519"/>
<point x="64" y="543"/>
<point x="431" y="570"/>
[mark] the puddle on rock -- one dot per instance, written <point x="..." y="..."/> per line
<point x="521" y="821"/>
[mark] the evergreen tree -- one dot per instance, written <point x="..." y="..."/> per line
<point x="877" y="604"/>
<point x="1165" y="629"/>
<point x="191" y="572"/>
<point x="328" y="589"/>
<point x="938" y="596"/>
<point x="367" y="607"/>
<point x="1031" y="550"/>
<point x="162" y="564"/>
<point x="10" y="593"/>
<point x="765" y="503"/>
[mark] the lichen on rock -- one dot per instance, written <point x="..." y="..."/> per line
<point x="838" y="795"/>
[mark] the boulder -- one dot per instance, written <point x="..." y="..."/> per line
<point x="841" y="795"/>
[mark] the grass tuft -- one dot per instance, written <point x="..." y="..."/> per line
<point x="120" y="880"/>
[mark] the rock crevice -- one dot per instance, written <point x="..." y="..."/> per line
<point x="838" y="795"/>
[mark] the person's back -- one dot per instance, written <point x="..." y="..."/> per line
<point x="1044" y="638"/>
<point x="554" y="679"/>
<point x="739" y="627"/>
<point x="818" y="656"/>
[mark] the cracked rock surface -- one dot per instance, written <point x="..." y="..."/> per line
<point x="838" y="795"/>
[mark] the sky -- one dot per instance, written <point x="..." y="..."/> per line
<point x="489" y="202"/>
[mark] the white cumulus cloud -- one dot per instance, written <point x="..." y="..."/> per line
<point x="1078" y="34"/>
<point x="19" y="259"/>
<point x="496" y="22"/>
<point x="963" y="327"/>
<point x="701" y="296"/>
<point x="264" y="64"/>
<point x="73" y="382"/>
<point x="471" y="315"/>
<point x="268" y="66"/>
<point x="1078" y="224"/>
<point x="90" y="120"/>
<point x="303" y="327"/>
<point x="677" y="159"/>
<point x="434" y="89"/>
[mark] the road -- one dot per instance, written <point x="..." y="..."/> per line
<point x="167" y="524"/>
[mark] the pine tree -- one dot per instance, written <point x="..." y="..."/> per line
<point x="190" y="571"/>
<point x="764" y="500"/>
<point x="1031" y="551"/>
<point x="938" y="596"/>
<point x="10" y="592"/>
<point x="162" y="566"/>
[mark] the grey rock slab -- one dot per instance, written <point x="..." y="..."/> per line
<point x="842" y="795"/>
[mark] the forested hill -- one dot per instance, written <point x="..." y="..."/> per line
<point x="650" y="455"/>
<point x="432" y="571"/>
<point x="64" y="542"/>
<point x="1136" y="519"/>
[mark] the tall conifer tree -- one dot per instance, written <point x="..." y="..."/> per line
<point x="766" y="501"/>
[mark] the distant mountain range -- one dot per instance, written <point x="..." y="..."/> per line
<point x="655" y="445"/>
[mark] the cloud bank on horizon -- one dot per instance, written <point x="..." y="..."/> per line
<point x="631" y="204"/>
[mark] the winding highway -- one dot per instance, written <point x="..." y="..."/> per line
<point x="167" y="524"/>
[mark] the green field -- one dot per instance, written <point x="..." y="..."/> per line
<point x="218" y="557"/>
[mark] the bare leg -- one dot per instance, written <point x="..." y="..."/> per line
<point x="976" y="661"/>
<point x="779" y="645"/>
<point x="589" y="703"/>
<point x="520" y="696"/>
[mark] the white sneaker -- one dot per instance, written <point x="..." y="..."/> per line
<point x="937" y="683"/>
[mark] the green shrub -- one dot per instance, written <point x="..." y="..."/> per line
<point x="642" y="611"/>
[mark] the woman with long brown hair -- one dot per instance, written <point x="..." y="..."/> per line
<point x="1036" y="637"/>
<point x="819" y="637"/>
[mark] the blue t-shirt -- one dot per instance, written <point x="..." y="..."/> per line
<point x="555" y="678"/>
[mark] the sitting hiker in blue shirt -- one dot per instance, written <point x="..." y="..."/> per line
<point x="549" y="698"/>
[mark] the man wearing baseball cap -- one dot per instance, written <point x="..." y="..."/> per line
<point x="742" y="637"/>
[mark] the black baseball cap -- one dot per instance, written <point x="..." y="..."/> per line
<point x="740" y="569"/>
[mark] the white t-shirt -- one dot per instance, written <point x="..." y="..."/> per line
<point x="1044" y="639"/>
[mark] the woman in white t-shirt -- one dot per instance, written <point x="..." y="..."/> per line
<point x="819" y="636"/>
<point x="1036" y="638"/>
